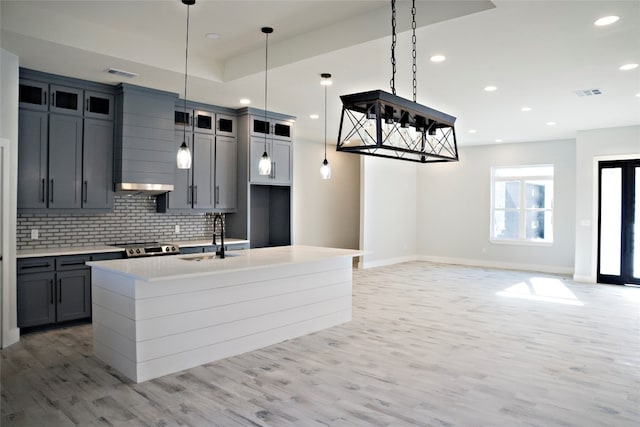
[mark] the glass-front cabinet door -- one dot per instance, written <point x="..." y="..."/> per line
<point x="98" y="105"/>
<point x="65" y="100"/>
<point x="33" y="95"/>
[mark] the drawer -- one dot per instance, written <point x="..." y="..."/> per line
<point x="71" y="262"/>
<point x="107" y="256"/>
<point x="35" y="265"/>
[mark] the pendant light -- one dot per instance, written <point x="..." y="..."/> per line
<point x="264" y="166"/>
<point x="184" y="154"/>
<point x="382" y="124"/>
<point x="325" y="169"/>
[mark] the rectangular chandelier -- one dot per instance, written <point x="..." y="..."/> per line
<point x="377" y="123"/>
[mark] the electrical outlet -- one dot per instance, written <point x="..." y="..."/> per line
<point x="177" y="229"/>
<point x="34" y="234"/>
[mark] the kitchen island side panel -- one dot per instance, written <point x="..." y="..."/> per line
<point x="207" y="318"/>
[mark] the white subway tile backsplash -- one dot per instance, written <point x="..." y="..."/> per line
<point x="134" y="218"/>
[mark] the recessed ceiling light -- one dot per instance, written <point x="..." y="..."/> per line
<point x="525" y="109"/>
<point x="472" y="131"/>
<point x="551" y="123"/>
<point x="212" y="36"/>
<point x="638" y="95"/>
<point x="245" y="101"/>
<point x="498" y="140"/>
<point x="438" y="58"/>
<point x="314" y="116"/>
<point x="606" y="20"/>
<point x="490" y="88"/>
<point x="627" y="67"/>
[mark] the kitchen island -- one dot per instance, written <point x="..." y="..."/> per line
<point x="158" y="315"/>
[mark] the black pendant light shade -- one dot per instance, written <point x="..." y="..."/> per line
<point x="183" y="157"/>
<point x="264" y="165"/>
<point x="377" y="123"/>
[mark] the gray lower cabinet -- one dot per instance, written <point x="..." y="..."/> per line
<point x="212" y="248"/>
<point x="55" y="289"/>
<point x="36" y="299"/>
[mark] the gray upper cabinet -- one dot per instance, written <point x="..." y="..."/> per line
<point x="34" y="95"/>
<point x="280" y="153"/>
<point x="65" y="162"/>
<point x="65" y="100"/>
<point x="98" y="105"/>
<point x="65" y="144"/>
<point x="273" y="128"/>
<point x="226" y="187"/>
<point x="204" y="122"/>
<point x="210" y="183"/>
<point x="33" y="142"/>
<point x="225" y="125"/>
<point x="203" y="169"/>
<point x="97" y="170"/>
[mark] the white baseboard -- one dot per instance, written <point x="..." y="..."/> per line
<point x="497" y="264"/>
<point x="584" y="279"/>
<point x="384" y="262"/>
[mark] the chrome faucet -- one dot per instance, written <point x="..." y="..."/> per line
<point x="216" y="217"/>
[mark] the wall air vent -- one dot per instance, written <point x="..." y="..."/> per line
<point x="122" y="73"/>
<point x="588" y="92"/>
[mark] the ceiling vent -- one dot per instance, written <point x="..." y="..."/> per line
<point x="588" y="92"/>
<point x="122" y="73"/>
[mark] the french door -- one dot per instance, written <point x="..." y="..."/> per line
<point x="619" y="222"/>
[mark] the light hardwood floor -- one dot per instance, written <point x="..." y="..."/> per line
<point x="429" y="345"/>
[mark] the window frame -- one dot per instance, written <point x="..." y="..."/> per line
<point x="522" y="209"/>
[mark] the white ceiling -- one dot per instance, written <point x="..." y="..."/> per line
<point x="537" y="53"/>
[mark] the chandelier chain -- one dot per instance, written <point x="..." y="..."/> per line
<point x="393" y="46"/>
<point x="413" y="52"/>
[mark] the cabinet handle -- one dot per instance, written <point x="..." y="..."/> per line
<point x="43" y="265"/>
<point x="195" y="194"/>
<point x="51" y="191"/>
<point x="87" y="104"/>
<point x="59" y="290"/>
<point x="85" y="190"/>
<point x="44" y="98"/>
<point x="189" y="194"/>
<point x="217" y="194"/>
<point x="53" y="99"/>
<point x="43" y="190"/>
<point x="51" y="289"/>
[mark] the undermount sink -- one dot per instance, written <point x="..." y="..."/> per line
<point x="207" y="257"/>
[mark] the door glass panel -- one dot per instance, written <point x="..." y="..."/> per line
<point x="98" y="105"/>
<point x="282" y="130"/>
<point x="181" y="118"/>
<point x="203" y="121"/>
<point x="610" y="220"/>
<point x="66" y="100"/>
<point x="636" y="227"/>
<point x="260" y="126"/>
<point x="225" y="125"/>
<point x="31" y="94"/>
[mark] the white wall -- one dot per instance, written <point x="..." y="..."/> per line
<point x="388" y="218"/>
<point x="591" y="147"/>
<point x="325" y="213"/>
<point x="9" y="131"/>
<point x="454" y="208"/>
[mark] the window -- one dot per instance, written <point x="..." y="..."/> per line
<point x="522" y="204"/>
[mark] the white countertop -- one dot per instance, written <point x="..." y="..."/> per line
<point x="71" y="250"/>
<point x="178" y="266"/>
<point x="79" y="250"/>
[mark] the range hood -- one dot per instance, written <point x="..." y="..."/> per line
<point x="145" y="140"/>
<point x="150" y="189"/>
